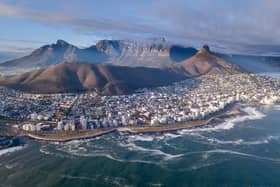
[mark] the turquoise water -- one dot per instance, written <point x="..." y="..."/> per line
<point x="244" y="151"/>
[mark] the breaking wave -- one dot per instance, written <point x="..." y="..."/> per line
<point x="159" y="149"/>
<point x="212" y="140"/>
<point x="11" y="150"/>
<point x="252" y="114"/>
<point x="133" y="147"/>
<point x="144" y="138"/>
<point x="205" y="162"/>
<point x="277" y="107"/>
<point x="223" y="151"/>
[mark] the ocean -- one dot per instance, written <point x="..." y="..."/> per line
<point x="242" y="151"/>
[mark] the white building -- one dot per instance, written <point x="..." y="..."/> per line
<point x="29" y="127"/>
<point x="84" y="122"/>
<point x="60" y="125"/>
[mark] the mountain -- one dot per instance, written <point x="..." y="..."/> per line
<point x="206" y="62"/>
<point x="153" y="53"/>
<point x="156" y="53"/>
<point x="111" y="80"/>
<point x="56" y="53"/>
<point x="75" y="77"/>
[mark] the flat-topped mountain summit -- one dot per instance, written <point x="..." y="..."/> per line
<point x="111" y="79"/>
<point x="152" y="53"/>
<point x="155" y="53"/>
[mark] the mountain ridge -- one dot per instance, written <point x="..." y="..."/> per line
<point x="157" y="53"/>
<point x="115" y="80"/>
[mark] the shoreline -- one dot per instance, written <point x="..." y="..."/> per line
<point x="88" y="134"/>
<point x="69" y="136"/>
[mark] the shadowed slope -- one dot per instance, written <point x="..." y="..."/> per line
<point x="205" y="62"/>
<point x="111" y="80"/>
<point x="74" y="77"/>
<point x="117" y="52"/>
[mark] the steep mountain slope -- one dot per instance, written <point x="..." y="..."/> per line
<point x="205" y="62"/>
<point x="111" y="80"/>
<point x="56" y="53"/>
<point x="152" y="53"/>
<point x="117" y="52"/>
<point x="73" y="77"/>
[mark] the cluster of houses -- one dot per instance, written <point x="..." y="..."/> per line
<point x="189" y="100"/>
<point x="192" y="99"/>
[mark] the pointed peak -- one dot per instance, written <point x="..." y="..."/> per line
<point x="62" y="43"/>
<point x="205" y="49"/>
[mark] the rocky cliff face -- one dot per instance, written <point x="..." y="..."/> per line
<point x="155" y="53"/>
<point x="111" y="80"/>
<point x="119" y="48"/>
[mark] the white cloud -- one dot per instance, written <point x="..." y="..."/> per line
<point x="250" y="22"/>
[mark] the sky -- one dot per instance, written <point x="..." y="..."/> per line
<point x="26" y="25"/>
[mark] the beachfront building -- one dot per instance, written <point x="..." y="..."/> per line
<point x="84" y="122"/>
<point x="192" y="99"/>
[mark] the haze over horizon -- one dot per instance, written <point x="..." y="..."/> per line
<point x="237" y="26"/>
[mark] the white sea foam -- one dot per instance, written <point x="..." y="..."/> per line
<point x="203" y="165"/>
<point x="252" y="114"/>
<point x="212" y="140"/>
<point x="155" y="184"/>
<point x="143" y="138"/>
<point x="150" y="138"/>
<point x="11" y="150"/>
<point x="133" y="147"/>
<point x="92" y="148"/>
<point x="240" y="154"/>
<point x="77" y="142"/>
<point x="109" y="156"/>
<point x="277" y="107"/>
<point x="171" y="135"/>
<point x="10" y="166"/>
<point x="238" y="142"/>
<point x="44" y="149"/>
<point x="104" y="154"/>
<point x="244" y="155"/>
<point x="79" y="177"/>
<point x="89" y="149"/>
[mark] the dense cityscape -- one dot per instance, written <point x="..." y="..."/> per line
<point x="189" y="100"/>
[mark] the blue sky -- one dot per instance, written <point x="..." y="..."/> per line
<point x="26" y="25"/>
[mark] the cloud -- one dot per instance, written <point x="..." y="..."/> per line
<point x="213" y="20"/>
<point x="22" y="41"/>
<point x="90" y="25"/>
<point x="7" y="10"/>
<point x="218" y="21"/>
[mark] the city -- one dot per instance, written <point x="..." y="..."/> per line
<point x="139" y="93"/>
<point x="190" y="100"/>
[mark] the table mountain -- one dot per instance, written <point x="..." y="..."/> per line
<point x="112" y="80"/>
